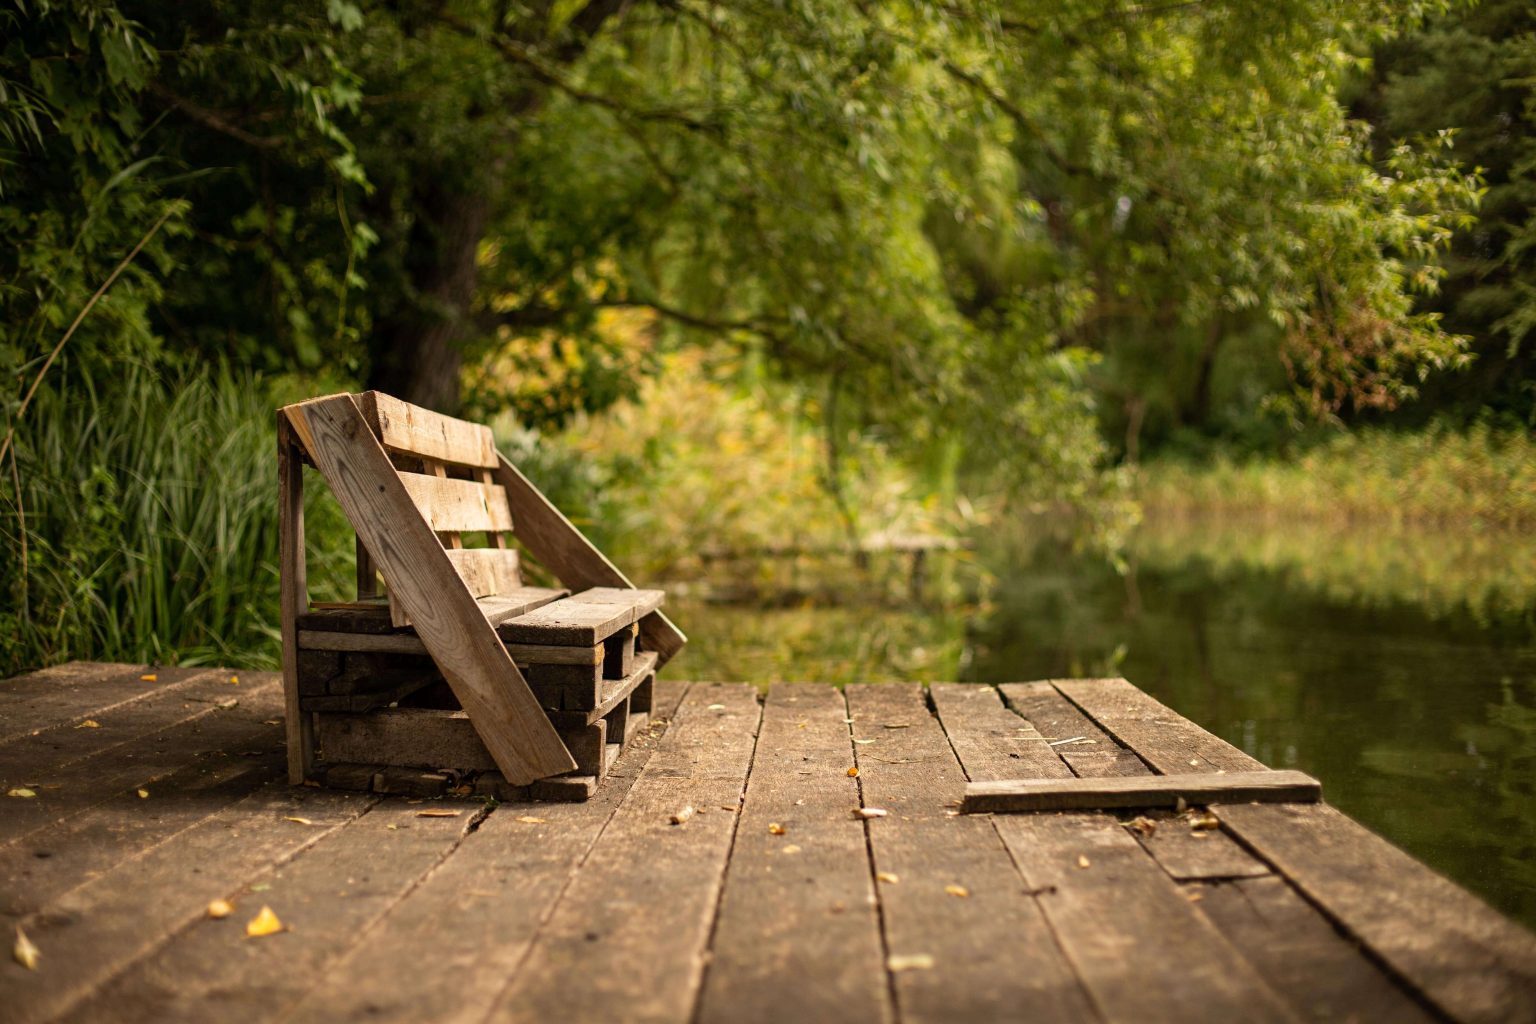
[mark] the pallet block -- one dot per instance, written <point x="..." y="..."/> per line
<point x="458" y="677"/>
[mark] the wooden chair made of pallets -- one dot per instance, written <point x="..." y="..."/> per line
<point x="459" y="675"/>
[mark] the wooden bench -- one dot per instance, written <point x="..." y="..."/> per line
<point x="457" y="666"/>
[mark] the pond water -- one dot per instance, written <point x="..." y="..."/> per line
<point x="1396" y="665"/>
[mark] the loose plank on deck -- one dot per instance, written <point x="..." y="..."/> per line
<point x="1146" y="791"/>
<point x="1082" y="866"/>
<point x="627" y="940"/>
<point x="993" y="956"/>
<point x="465" y="647"/>
<point x="800" y="904"/>
<point x="477" y="913"/>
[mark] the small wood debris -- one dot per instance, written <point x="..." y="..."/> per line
<point x="791" y="849"/>
<point x="528" y="819"/>
<point x="438" y="814"/>
<point x="264" y="923"/>
<point x="683" y="815"/>
<point x="866" y="813"/>
<point x="775" y="829"/>
<point x="220" y="909"/>
<point x="24" y="952"/>
<point x="301" y="821"/>
<point x="896" y="725"/>
<point x="898" y="962"/>
<point x="957" y="890"/>
<point x="1204" y="821"/>
<point x="1074" y="739"/>
<point x="1142" y="825"/>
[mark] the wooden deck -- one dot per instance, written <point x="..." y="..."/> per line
<point x="773" y="901"/>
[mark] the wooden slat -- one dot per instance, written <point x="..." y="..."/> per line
<point x="327" y="896"/>
<point x="627" y="941"/>
<point x="583" y="619"/>
<point x="375" y="616"/>
<point x="993" y="956"/>
<point x="1168" y="741"/>
<point x="614" y="691"/>
<point x="1470" y="961"/>
<point x="1300" y="953"/>
<point x="1146" y="791"/>
<point x="477" y="913"/>
<point x="402" y="427"/>
<point x="105" y="925"/>
<point x="293" y="590"/>
<point x="406" y="643"/>
<point x="461" y="641"/>
<point x="1062" y="724"/>
<point x="799" y="905"/>
<point x="450" y="505"/>
<point x="489" y="573"/>
<point x="562" y="549"/>
<point x="429" y="738"/>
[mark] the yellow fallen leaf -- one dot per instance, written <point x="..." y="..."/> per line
<point x="790" y="848"/>
<point x="234" y="680"/>
<point x="24" y="952"/>
<point x="887" y="877"/>
<point x="528" y="819"/>
<point x="220" y="909"/>
<point x="896" y="963"/>
<point x="143" y="794"/>
<point x="148" y="677"/>
<point x="301" y="821"/>
<point x="869" y="812"/>
<point x="1204" y="822"/>
<point x="89" y="723"/>
<point x="853" y="773"/>
<point x="717" y="707"/>
<point x="438" y="814"/>
<point x="1082" y="861"/>
<point x="957" y="890"/>
<point x="264" y="923"/>
<point x="775" y="829"/>
<point x="21" y="792"/>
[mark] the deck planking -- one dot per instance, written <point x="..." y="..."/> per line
<point x="774" y="900"/>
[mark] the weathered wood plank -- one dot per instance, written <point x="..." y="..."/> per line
<point x="402" y="427"/>
<point x="98" y="929"/>
<point x="991" y="741"/>
<point x="1324" y="976"/>
<point x="800" y="904"/>
<point x="66" y="700"/>
<point x="614" y="691"/>
<point x="1168" y="741"/>
<point x="487" y="572"/>
<point x="627" y="941"/>
<point x="1471" y="962"/>
<point x="552" y="539"/>
<point x="431" y="738"/>
<point x="448" y="621"/>
<point x="81" y="783"/>
<point x="293" y="595"/>
<point x="1085" y="868"/>
<point x="406" y="643"/>
<point x="1143" y="791"/>
<point x="327" y="896"/>
<point x="1191" y="853"/>
<point x="583" y="619"/>
<point x="478" y="912"/>
<point x="1065" y="727"/>
<point x="992" y="954"/>
<point x="450" y="505"/>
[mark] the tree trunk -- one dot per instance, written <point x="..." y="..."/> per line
<point x="418" y="349"/>
<point x="1199" y="409"/>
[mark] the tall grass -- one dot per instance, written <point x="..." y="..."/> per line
<point x="1482" y="476"/>
<point x="147" y="524"/>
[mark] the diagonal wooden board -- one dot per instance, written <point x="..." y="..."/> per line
<point x="449" y="622"/>
<point x="565" y="551"/>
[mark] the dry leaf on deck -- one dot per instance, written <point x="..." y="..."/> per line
<point x="957" y="890"/>
<point x="1204" y="822"/>
<point x="717" y="707"/>
<point x="143" y="794"/>
<point x="896" y="963"/>
<point x="264" y="923"/>
<point x="25" y="953"/>
<point x="89" y="723"/>
<point x="220" y="909"/>
<point x="887" y="877"/>
<point x="683" y="815"/>
<point x="301" y="821"/>
<point x="22" y="792"/>
<point x="898" y="725"/>
<point x="148" y="677"/>
<point x="853" y="773"/>
<point x="438" y="814"/>
<point x="869" y="812"/>
<point x="775" y="829"/>
<point x="234" y="680"/>
<point x="1142" y="824"/>
<point x="1082" y="861"/>
<point x="790" y="848"/>
<point x="528" y="819"/>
